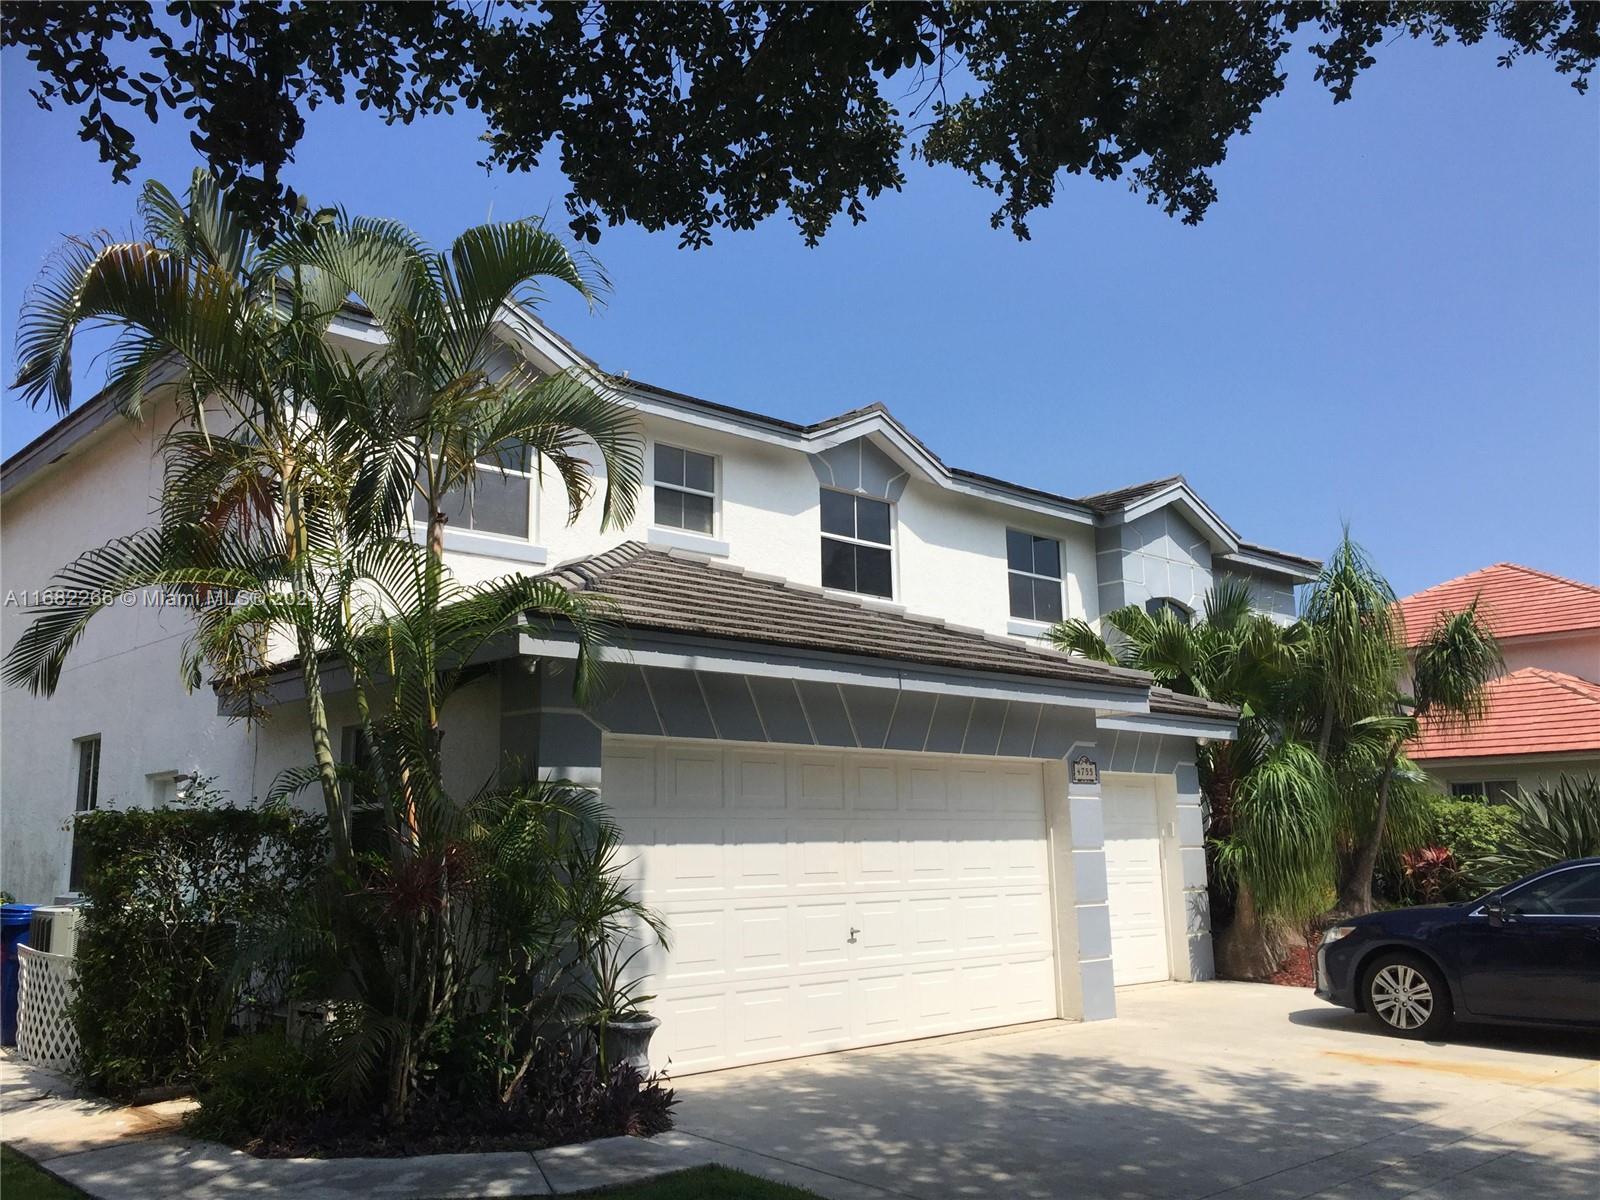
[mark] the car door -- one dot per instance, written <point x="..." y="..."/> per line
<point x="1538" y="959"/>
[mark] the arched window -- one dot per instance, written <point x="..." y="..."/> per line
<point x="1157" y="605"/>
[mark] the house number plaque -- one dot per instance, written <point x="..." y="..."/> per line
<point x="1085" y="770"/>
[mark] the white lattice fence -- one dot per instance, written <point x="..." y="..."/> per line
<point x="45" y="1037"/>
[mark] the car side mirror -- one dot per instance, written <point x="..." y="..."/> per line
<point x="1499" y="912"/>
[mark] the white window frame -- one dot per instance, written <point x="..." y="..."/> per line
<point x="79" y="746"/>
<point x="892" y="545"/>
<point x="714" y="495"/>
<point x="484" y="541"/>
<point x="1033" y="623"/>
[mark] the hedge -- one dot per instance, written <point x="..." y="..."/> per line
<point x="174" y="894"/>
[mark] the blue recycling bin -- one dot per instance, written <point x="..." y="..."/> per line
<point x="14" y="919"/>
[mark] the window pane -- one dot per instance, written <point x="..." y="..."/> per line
<point x="500" y="503"/>
<point x="510" y="456"/>
<point x="874" y="573"/>
<point x="1021" y="596"/>
<point x="457" y="511"/>
<point x="1573" y="893"/>
<point x="669" y="464"/>
<point x="696" y="513"/>
<point x="872" y="520"/>
<point x="1046" y="600"/>
<point x="838" y="565"/>
<point x="1019" y="550"/>
<point x="1047" y="557"/>
<point x="700" y="471"/>
<point x="838" y="513"/>
<point x="669" y="507"/>
<point x="419" y="508"/>
<point x="88" y="775"/>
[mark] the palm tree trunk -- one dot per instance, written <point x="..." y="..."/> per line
<point x="1355" y="898"/>
<point x="316" y="707"/>
<point x="1250" y="948"/>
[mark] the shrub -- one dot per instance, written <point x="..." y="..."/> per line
<point x="1469" y="829"/>
<point x="257" y="1086"/>
<point x="1429" y="876"/>
<point x="172" y="894"/>
<point x="1551" y="824"/>
<point x="568" y="1097"/>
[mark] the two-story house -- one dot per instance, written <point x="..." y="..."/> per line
<point x="1542" y="717"/>
<point x="869" y="801"/>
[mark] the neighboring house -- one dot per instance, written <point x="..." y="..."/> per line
<point x="870" y="803"/>
<point x="1543" y="717"/>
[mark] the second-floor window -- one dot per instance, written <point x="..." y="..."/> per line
<point x="857" y="544"/>
<point x="499" y="499"/>
<point x="1034" y="569"/>
<point x="686" y="489"/>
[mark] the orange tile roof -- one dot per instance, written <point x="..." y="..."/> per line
<point x="1517" y="600"/>
<point x="1531" y="711"/>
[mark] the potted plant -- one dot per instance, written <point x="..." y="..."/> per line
<point x="614" y="1009"/>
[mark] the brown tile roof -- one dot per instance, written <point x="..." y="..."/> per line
<point x="1176" y="704"/>
<point x="1113" y="501"/>
<point x="1517" y="601"/>
<point x="1531" y="711"/>
<point x="685" y="593"/>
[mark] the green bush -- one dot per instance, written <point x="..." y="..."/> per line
<point x="1551" y="824"/>
<point x="1469" y="829"/>
<point x="256" y="1086"/>
<point x="173" y="894"/>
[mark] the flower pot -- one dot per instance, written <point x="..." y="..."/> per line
<point x="629" y="1041"/>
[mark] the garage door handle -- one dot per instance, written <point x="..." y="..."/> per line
<point x="853" y="932"/>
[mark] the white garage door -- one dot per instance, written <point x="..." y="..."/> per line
<point x="1133" y="880"/>
<point x="819" y="900"/>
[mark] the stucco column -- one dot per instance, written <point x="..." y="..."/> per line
<point x="1078" y="873"/>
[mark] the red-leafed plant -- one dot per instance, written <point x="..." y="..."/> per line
<point x="1429" y="875"/>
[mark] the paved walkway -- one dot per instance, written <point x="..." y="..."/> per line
<point x="1198" y="1091"/>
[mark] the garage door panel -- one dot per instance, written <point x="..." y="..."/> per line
<point x="823" y="1014"/>
<point x="692" y="780"/>
<point x="927" y="788"/>
<point x="929" y="860"/>
<point x="756" y="782"/>
<point x="874" y="785"/>
<point x="816" y="782"/>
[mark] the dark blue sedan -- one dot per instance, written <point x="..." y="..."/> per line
<point x="1528" y="953"/>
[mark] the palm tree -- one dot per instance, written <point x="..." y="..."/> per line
<point x="1268" y="794"/>
<point x="286" y="515"/>
<point x="1450" y="670"/>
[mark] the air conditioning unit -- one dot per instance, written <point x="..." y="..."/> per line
<point x="53" y="929"/>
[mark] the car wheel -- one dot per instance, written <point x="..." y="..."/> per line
<point x="1407" y="996"/>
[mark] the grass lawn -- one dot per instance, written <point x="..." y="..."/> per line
<point x="21" y="1180"/>
<point x="702" y="1183"/>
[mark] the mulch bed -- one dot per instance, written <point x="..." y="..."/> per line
<point x="1298" y="969"/>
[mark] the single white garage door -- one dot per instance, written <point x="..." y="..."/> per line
<point x="1133" y="880"/>
<point x="819" y="900"/>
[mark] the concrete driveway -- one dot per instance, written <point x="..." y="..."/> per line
<point x="1196" y="1090"/>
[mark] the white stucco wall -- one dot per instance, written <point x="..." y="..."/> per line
<point x="121" y="681"/>
<point x="949" y="553"/>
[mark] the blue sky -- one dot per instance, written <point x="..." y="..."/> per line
<point x="1391" y="317"/>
